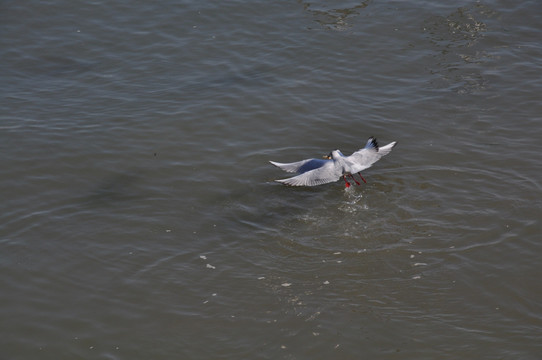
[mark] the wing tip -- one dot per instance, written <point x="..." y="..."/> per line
<point x="384" y="150"/>
<point x="372" y="143"/>
<point x="285" y="182"/>
<point x="298" y="182"/>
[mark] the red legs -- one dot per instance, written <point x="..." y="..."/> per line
<point x="346" y="183"/>
<point x="353" y="178"/>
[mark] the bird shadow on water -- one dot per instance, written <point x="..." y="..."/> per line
<point x="297" y="213"/>
<point x="359" y="219"/>
<point x="113" y="189"/>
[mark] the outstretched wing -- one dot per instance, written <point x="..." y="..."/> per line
<point x="322" y="175"/>
<point x="301" y="166"/>
<point x="371" y="153"/>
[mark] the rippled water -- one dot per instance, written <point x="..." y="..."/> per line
<point x="140" y="218"/>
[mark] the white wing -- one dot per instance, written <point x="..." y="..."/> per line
<point x="324" y="174"/>
<point x="301" y="166"/>
<point x="366" y="157"/>
<point x="385" y="150"/>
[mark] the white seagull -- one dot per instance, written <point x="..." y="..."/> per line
<point x="314" y="172"/>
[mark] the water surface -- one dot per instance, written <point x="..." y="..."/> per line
<point x="140" y="218"/>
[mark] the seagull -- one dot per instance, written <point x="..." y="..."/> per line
<point x="312" y="172"/>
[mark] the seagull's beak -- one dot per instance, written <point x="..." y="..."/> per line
<point x="328" y="156"/>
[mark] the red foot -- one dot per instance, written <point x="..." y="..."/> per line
<point x="346" y="183"/>
<point x="353" y="178"/>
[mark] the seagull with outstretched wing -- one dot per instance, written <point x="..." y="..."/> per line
<point x="312" y="172"/>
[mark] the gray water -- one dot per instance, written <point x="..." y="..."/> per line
<point x="140" y="219"/>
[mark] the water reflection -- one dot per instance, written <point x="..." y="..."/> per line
<point x="461" y="49"/>
<point x="462" y="28"/>
<point x="336" y="18"/>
